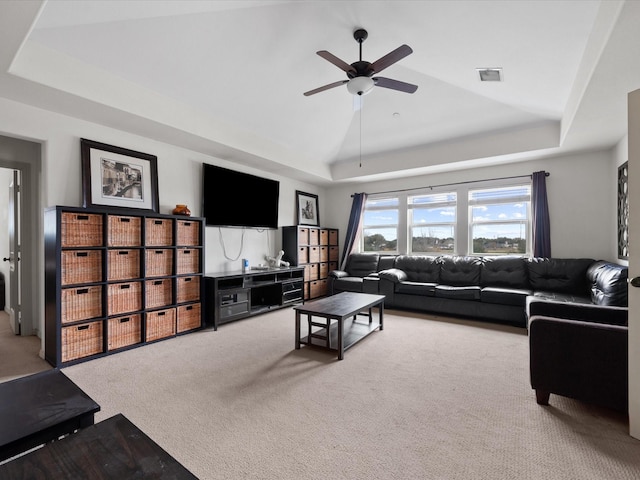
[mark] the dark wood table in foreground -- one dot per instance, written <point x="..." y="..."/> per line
<point x="40" y="408"/>
<point x="341" y="307"/>
<point x="112" y="449"/>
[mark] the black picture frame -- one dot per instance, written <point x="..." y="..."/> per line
<point x="116" y="177"/>
<point x="307" y="208"/>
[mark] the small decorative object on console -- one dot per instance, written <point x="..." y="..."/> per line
<point x="182" y="210"/>
<point x="277" y="261"/>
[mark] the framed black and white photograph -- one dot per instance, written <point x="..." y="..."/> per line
<point x="307" y="208"/>
<point x="117" y="177"/>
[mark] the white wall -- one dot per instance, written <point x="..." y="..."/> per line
<point x="179" y="179"/>
<point x="581" y="203"/>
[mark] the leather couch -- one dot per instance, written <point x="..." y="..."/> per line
<point x="494" y="288"/>
<point x="360" y="273"/>
<point x="579" y="351"/>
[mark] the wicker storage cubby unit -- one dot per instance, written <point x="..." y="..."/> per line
<point x="315" y="249"/>
<point x="115" y="280"/>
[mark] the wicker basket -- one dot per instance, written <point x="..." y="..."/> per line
<point x="123" y="264"/>
<point x="333" y="237"/>
<point x="158" y="293"/>
<point x="81" y="303"/>
<point x="303" y="255"/>
<point x="160" y="324"/>
<point x="81" y="266"/>
<point x="324" y="253"/>
<point x="314" y="254"/>
<point x="188" y="289"/>
<point x="188" y="261"/>
<point x="124" y="231"/>
<point x="303" y="236"/>
<point x="124" y="297"/>
<point x="124" y="331"/>
<point x="81" y="340"/>
<point x="188" y="233"/>
<point x="324" y="236"/>
<point x="81" y="230"/>
<point x="158" y="262"/>
<point x="189" y="317"/>
<point x="158" y="232"/>
<point x="334" y="253"/>
<point x="314" y="236"/>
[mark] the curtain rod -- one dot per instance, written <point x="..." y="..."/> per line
<point x="546" y="174"/>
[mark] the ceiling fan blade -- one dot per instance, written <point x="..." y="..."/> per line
<point x="341" y="64"/>
<point x="395" y="84"/>
<point x="391" y="58"/>
<point x="326" y="87"/>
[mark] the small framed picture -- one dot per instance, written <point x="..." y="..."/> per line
<point x="307" y="208"/>
<point x="116" y="177"/>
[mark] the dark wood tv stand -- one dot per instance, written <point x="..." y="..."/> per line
<point x="235" y="295"/>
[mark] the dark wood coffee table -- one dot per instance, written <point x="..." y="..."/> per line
<point x="114" y="448"/>
<point x="345" y="308"/>
<point x="40" y="408"/>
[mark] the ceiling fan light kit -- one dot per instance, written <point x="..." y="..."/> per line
<point x="361" y="73"/>
<point x="360" y="85"/>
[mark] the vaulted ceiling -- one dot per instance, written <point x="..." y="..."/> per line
<point x="227" y="78"/>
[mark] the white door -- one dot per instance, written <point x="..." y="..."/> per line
<point x="634" y="262"/>
<point x="15" y="300"/>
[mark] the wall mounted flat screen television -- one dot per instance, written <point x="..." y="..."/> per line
<point x="237" y="199"/>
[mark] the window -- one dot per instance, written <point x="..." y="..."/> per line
<point x="432" y="223"/>
<point x="380" y="225"/>
<point x="499" y="220"/>
<point x="491" y="217"/>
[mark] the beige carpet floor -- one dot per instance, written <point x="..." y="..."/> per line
<point x="427" y="398"/>
<point x="19" y="356"/>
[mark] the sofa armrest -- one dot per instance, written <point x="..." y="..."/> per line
<point x="577" y="311"/>
<point x="393" y="275"/>
<point x="338" y="273"/>
<point x="582" y="360"/>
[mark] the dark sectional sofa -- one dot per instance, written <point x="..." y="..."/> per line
<point x="494" y="288"/>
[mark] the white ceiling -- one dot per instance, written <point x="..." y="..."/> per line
<point x="227" y="78"/>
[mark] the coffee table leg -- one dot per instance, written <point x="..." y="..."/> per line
<point x="381" y="315"/>
<point x="340" y="338"/>
<point x="297" y="330"/>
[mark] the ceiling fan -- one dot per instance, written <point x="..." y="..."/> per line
<point x="361" y="73"/>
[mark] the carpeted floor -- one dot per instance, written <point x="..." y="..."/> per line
<point x="427" y="398"/>
<point x="19" y="355"/>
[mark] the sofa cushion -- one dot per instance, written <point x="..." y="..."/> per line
<point x="386" y="261"/>
<point x="460" y="271"/>
<point x="458" y="293"/>
<point x="362" y="264"/>
<point x="562" y="297"/>
<point x="416" y="288"/>
<point x="505" y="296"/>
<point x="504" y="272"/>
<point x="562" y="275"/>
<point x="608" y="283"/>
<point x="423" y="268"/>
<point x="393" y="275"/>
<point x="348" y="284"/>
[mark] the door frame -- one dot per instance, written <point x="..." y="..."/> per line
<point x="26" y="156"/>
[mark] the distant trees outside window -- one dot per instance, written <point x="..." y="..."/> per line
<point x="465" y="221"/>
<point x="380" y="225"/>
<point x="499" y="220"/>
<point x="432" y="223"/>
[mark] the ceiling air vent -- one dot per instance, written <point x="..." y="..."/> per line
<point x="490" y="74"/>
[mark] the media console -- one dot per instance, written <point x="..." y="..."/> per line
<point x="235" y="295"/>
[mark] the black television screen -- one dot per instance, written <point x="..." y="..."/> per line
<point x="236" y="199"/>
